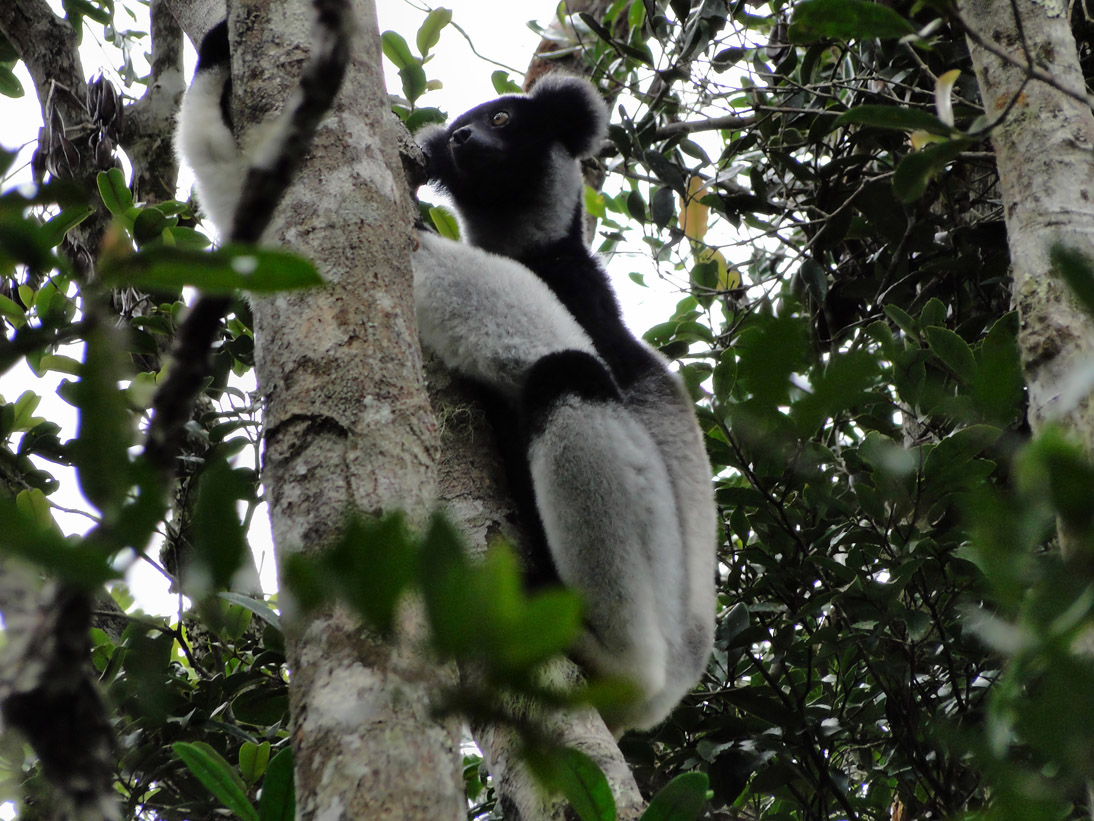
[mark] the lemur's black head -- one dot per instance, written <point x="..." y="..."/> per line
<point x="518" y="154"/>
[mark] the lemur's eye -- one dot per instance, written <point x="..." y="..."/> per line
<point x="500" y="118"/>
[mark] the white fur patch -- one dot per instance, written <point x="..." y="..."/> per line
<point x="487" y="316"/>
<point x="204" y="142"/>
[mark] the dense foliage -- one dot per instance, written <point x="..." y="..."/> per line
<point x="897" y="633"/>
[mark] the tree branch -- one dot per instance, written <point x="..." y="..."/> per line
<point x="47" y="45"/>
<point x="731" y="122"/>
<point x="149" y="122"/>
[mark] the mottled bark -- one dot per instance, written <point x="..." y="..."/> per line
<point x="150" y="122"/>
<point x="348" y="427"/>
<point x="1045" y="151"/>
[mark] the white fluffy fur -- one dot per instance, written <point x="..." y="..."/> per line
<point x="606" y="504"/>
<point x="204" y="141"/>
<point x="487" y="316"/>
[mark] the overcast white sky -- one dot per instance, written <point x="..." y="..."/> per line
<point x="499" y="31"/>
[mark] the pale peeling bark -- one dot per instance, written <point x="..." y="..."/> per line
<point x="348" y="426"/>
<point x="1045" y="152"/>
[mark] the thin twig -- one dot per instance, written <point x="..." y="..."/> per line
<point x="731" y="122"/>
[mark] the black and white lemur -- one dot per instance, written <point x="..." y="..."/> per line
<point x="620" y="479"/>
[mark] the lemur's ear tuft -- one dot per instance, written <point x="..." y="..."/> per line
<point x="576" y="109"/>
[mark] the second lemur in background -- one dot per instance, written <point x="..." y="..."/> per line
<point x="620" y="481"/>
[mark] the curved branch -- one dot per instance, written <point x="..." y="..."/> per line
<point x="48" y="45"/>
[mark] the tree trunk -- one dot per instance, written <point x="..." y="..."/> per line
<point x="1045" y="151"/>
<point x="348" y="427"/>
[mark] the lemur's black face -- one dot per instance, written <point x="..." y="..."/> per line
<point x="506" y="151"/>
<point x="495" y="149"/>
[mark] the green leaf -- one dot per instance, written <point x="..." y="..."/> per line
<point x="396" y="49"/>
<point x="9" y="83"/>
<point x="845" y="20"/>
<point x="667" y="172"/>
<point x="253" y="760"/>
<point x="838" y="387"/>
<point x="430" y="31"/>
<point x="264" y="706"/>
<point x="224" y="271"/>
<point x="915" y="171"/>
<point x="414" y="81"/>
<point x="372" y="564"/>
<point x="54" y="231"/>
<point x="767" y="354"/>
<point x="24" y="408"/>
<point x="278" y="801"/>
<point x="410" y="67"/>
<point x="77" y="8"/>
<point x="576" y="776"/>
<point x="933" y="313"/>
<point x="451" y="601"/>
<point x="218" y="776"/>
<point x="59" y="364"/>
<point x="24" y="240"/>
<point x="29" y="532"/>
<point x="546" y="627"/>
<point x="8" y="54"/>
<point x="149" y="225"/>
<point x="953" y="351"/>
<point x="219" y="537"/>
<point x="662" y="207"/>
<point x="895" y="117"/>
<point x="180" y="236"/>
<point x="945" y="463"/>
<point x="256" y="606"/>
<point x="115" y="193"/>
<point x="682" y="799"/>
<point x="423" y="116"/>
<point x="445" y="223"/>
<point x="1053" y="462"/>
<point x="105" y="428"/>
<point x="502" y="83"/>
<point x="12" y="311"/>
<point x="999" y="385"/>
<point x="34" y="505"/>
